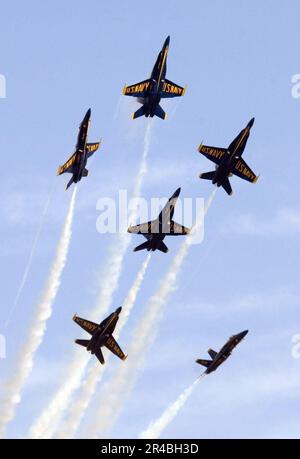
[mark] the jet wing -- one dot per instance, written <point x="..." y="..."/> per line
<point x="87" y="325"/>
<point x="242" y="170"/>
<point x="215" y="154"/>
<point x="137" y="90"/>
<point x="91" y="148"/>
<point x="171" y="89"/>
<point x="144" y="228"/>
<point x="175" y="229"/>
<point x="68" y="166"/>
<point x="113" y="346"/>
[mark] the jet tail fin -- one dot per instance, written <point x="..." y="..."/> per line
<point x="82" y="342"/>
<point x="212" y="353"/>
<point x="203" y="362"/>
<point x="227" y="187"/>
<point x="160" y="112"/>
<point x="207" y="175"/>
<point x="140" y="112"/>
<point x="69" y="183"/>
<point x="143" y="246"/>
<point x="99" y="356"/>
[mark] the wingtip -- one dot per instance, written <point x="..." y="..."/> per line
<point x="184" y="90"/>
<point x="200" y="146"/>
<point x="256" y="179"/>
<point x="124" y="89"/>
<point x="125" y="357"/>
<point x="74" y="317"/>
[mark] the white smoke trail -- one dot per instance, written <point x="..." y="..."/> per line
<point x="38" y="326"/>
<point x="78" y="409"/>
<point x="30" y="258"/>
<point x="48" y="421"/>
<point x="156" y="428"/>
<point x="122" y="383"/>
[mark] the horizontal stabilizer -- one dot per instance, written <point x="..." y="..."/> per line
<point x="140" y="112"/>
<point x="203" y="362"/>
<point x="160" y="112"/>
<point x="82" y="342"/>
<point x="143" y="246"/>
<point x="213" y="354"/>
<point x="99" y="356"/>
<point x="207" y="175"/>
<point x="227" y="187"/>
<point x="69" y="183"/>
<point x="162" y="247"/>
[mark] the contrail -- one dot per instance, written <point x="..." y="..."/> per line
<point x="38" y="327"/>
<point x="48" y="421"/>
<point x="156" y="428"/>
<point x="30" y="258"/>
<point x="122" y="383"/>
<point x="95" y="375"/>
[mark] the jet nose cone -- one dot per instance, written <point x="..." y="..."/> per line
<point x="167" y="42"/>
<point x="243" y="334"/>
<point x="118" y="310"/>
<point x="88" y="113"/>
<point x="251" y="122"/>
<point x="177" y="193"/>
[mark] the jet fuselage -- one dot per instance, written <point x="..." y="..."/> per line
<point x="105" y="330"/>
<point x="81" y="154"/>
<point x="235" y="151"/>
<point x="226" y="351"/>
<point x="158" y="75"/>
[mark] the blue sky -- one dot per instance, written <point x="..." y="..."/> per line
<point x="237" y="58"/>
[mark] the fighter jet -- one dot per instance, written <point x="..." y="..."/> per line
<point x="229" y="161"/>
<point x="155" y="231"/>
<point x="150" y="92"/>
<point x="76" y="165"/>
<point x="219" y="357"/>
<point x="101" y="336"/>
